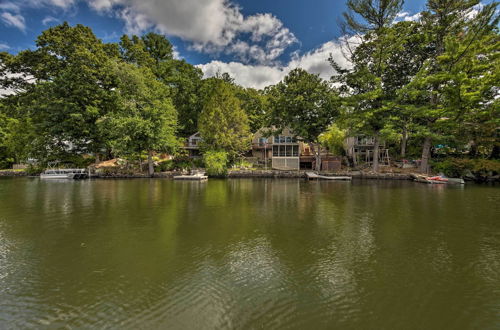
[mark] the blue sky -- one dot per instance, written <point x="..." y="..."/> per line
<point x="256" y="41"/>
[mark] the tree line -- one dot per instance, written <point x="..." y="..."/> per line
<point x="412" y="84"/>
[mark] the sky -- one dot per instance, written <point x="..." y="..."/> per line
<point x="256" y="41"/>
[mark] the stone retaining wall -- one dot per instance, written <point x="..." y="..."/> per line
<point x="302" y="174"/>
<point x="12" y="173"/>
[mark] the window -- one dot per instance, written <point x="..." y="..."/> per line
<point x="295" y="151"/>
<point x="288" y="151"/>
<point x="288" y="139"/>
<point x="282" y="151"/>
<point x="262" y="140"/>
<point x="275" y="151"/>
<point x="276" y="139"/>
<point x="282" y="139"/>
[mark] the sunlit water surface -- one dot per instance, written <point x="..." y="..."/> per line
<point x="247" y="254"/>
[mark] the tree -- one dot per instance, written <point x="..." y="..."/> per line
<point x="185" y="81"/>
<point x="436" y="92"/>
<point x="155" y="52"/>
<point x="66" y="89"/>
<point x="215" y="162"/>
<point x="364" y="84"/>
<point x="223" y="125"/>
<point x="255" y="105"/>
<point x="306" y="104"/>
<point x="145" y="119"/>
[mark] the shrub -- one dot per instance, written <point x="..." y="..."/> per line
<point x="34" y="169"/>
<point x="216" y="162"/>
<point x="181" y="162"/>
<point x="457" y="167"/>
<point x="198" y="163"/>
<point x="164" y="166"/>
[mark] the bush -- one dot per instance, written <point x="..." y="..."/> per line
<point x="216" y="162"/>
<point x="34" y="169"/>
<point x="243" y="163"/>
<point x="457" y="167"/>
<point x="165" y="166"/>
<point x="181" y="163"/>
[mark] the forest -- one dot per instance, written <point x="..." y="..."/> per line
<point x="428" y="88"/>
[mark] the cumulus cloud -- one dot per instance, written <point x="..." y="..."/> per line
<point x="406" y="16"/>
<point x="260" y="76"/>
<point x="14" y="20"/>
<point x="212" y="26"/>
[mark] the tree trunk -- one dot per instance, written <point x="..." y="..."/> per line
<point x="376" y="151"/>
<point x="317" y="155"/>
<point x="404" y="139"/>
<point x="151" y="169"/>
<point x="426" y="155"/>
<point x="318" y="162"/>
<point x="473" y="152"/>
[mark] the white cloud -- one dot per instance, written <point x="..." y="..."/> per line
<point x="260" y="76"/>
<point x="10" y="6"/>
<point x="64" y="4"/>
<point x="212" y="26"/>
<point x="406" y="16"/>
<point x="49" y="19"/>
<point x="4" y="46"/>
<point x="14" y="20"/>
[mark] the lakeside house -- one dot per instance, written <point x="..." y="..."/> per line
<point x="361" y="149"/>
<point x="283" y="151"/>
<point x="192" y="145"/>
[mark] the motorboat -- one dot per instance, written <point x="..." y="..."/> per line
<point x="65" y="173"/>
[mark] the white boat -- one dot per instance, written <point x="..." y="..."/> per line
<point x="64" y="173"/>
<point x="197" y="176"/>
<point x="314" y="176"/>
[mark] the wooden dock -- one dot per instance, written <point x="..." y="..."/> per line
<point x="193" y="177"/>
<point x="314" y="176"/>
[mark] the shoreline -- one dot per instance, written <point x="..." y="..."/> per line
<point x="257" y="174"/>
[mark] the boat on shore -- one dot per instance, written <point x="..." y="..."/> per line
<point x="436" y="179"/>
<point x="314" y="176"/>
<point x="65" y="173"/>
<point x="198" y="176"/>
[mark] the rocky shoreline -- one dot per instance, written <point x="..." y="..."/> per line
<point x="262" y="174"/>
<point x="13" y="173"/>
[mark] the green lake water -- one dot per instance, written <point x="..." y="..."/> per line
<point x="248" y="254"/>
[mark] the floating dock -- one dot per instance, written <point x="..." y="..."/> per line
<point x="194" y="177"/>
<point x="314" y="176"/>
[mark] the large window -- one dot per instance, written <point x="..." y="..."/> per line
<point x="276" y="151"/>
<point x="284" y="139"/>
<point x="285" y="151"/>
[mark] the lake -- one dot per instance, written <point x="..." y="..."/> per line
<point x="248" y="254"/>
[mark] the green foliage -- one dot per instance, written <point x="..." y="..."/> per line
<point x="255" y="104"/>
<point x="334" y="139"/>
<point x="459" y="167"/>
<point x="185" y="82"/>
<point x="34" y="170"/>
<point x="165" y="166"/>
<point x="73" y="89"/>
<point x="303" y="102"/>
<point x="223" y="125"/>
<point x="145" y="118"/>
<point x="216" y="162"/>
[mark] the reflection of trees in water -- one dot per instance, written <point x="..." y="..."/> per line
<point x="227" y="252"/>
